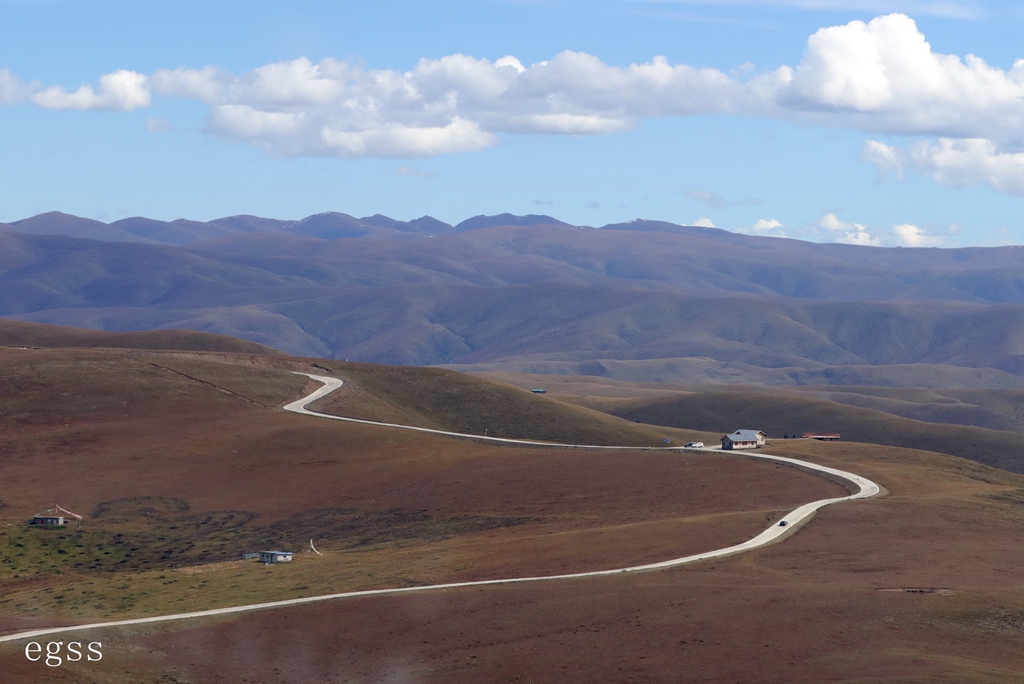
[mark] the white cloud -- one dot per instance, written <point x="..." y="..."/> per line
<point x="703" y="223"/>
<point x="962" y="163"/>
<point x="767" y="227"/>
<point x="12" y="89"/>
<point x="886" y="157"/>
<point x="883" y="76"/>
<point x="909" y="235"/>
<point x="953" y="162"/>
<point x="455" y="103"/>
<point x="121" y="90"/>
<point x="848" y="233"/>
<point x="880" y="76"/>
<point x="409" y="141"/>
<point x="204" y="84"/>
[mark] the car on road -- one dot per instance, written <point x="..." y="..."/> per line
<point x="783" y="523"/>
<point x="695" y="445"/>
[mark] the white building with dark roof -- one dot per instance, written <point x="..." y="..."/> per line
<point x="744" y="439"/>
<point x="276" y="556"/>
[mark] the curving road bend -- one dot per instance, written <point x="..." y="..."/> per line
<point x="866" y="489"/>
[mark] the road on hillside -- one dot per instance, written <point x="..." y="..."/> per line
<point x="866" y="489"/>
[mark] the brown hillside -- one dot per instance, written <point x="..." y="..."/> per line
<point x="21" y="334"/>
<point x="182" y="459"/>
<point x="782" y="414"/>
<point x="919" y="586"/>
<point x="445" y="400"/>
<point x="994" y="409"/>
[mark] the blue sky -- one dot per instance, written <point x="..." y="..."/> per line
<point x="830" y="120"/>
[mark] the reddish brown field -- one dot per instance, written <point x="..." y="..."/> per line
<point x="920" y="586"/>
<point x="158" y="448"/>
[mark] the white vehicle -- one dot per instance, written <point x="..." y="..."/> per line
<point x="695" y="445"/>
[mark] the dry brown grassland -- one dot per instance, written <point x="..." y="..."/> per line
<point x="186" y="453"/>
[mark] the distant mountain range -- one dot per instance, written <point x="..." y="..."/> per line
<point x="643" y="300"/>
<point x="328" y="226"/>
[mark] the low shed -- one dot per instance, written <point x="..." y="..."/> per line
<point x="822" y="436"/>
<point x="48" y="520"/>
<point x="276" y="556"/>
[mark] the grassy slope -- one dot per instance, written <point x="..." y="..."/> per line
<point x="21" y="334"/>
<point x="445" y="400"/>
<point x="779" y="414"/>
<point x="993" y="409"/>
<point x="131" y="434"/>
<point x="178" y="458"/>
<point x="919" y="586"/>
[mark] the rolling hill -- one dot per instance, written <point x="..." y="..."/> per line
<point x="780" y="414"/>
<point x="183" y="458"/>
<point x="21" y="334"/>
<point x="644" y="300"/>
<point x="180" y="462"/>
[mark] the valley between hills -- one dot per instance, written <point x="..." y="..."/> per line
<point x="173" y="446"/>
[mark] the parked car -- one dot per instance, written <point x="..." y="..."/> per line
<point x="695" y="445"/>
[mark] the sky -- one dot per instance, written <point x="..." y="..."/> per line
<point x="857" y="121"/>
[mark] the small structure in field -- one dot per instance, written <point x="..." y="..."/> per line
<point x="48" y="520"/>
<point x="822" y="436"/>
<point x="744" y="439"/>
<point x="538" y="390"/>
<point x="276" y="556"/>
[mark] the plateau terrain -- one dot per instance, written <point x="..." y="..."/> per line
<point x="179" y="458"/>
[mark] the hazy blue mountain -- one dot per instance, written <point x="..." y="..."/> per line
<point x="639" y="300"/>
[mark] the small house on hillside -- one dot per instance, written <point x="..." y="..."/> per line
<point x="276" y="556"/>
<point x="822" y="436"/>
<point x="744" y="439"/>
<point x="48" y="520"/>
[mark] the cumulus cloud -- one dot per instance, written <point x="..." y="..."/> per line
<point x="887" y="158"/>
<point x="206" y="84"/>
<point x="452" y="104"/>
<point x="704" y="223"/>
<point x="909" y="235"/>
<point x="122" y="90"/>
<point x="12" y="89"/>
<point x="847" y="232"/>
<point x="962" y="163"/>
<point x="957" y="163"/>
<point x="767" y="227"/>
<point x="880" y="76"/>
<point x="883" y="76"/>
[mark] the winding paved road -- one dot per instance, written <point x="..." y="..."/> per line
<point x="866" y="487"/>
